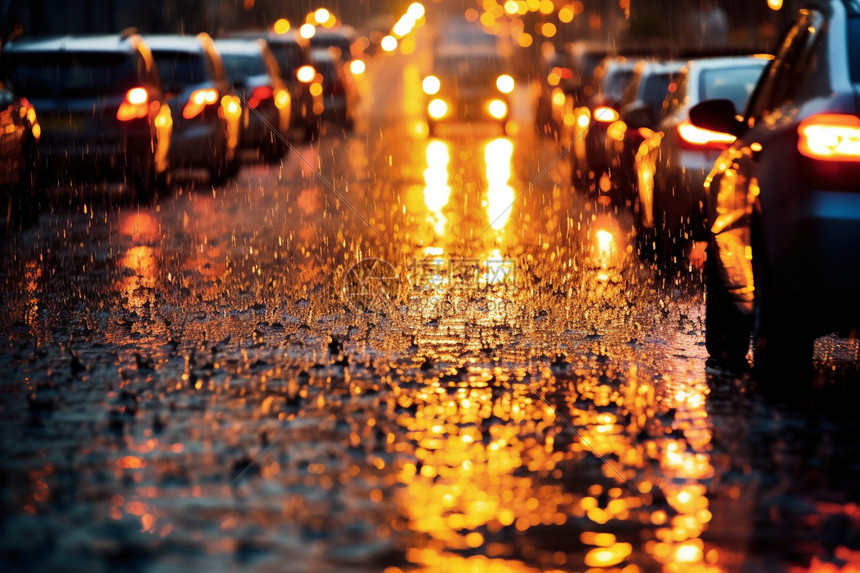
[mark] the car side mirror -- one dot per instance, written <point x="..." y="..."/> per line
<point x="638" y="114"/>
<point x="717" y="115"/>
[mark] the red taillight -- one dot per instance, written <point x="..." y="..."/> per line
<point x="699" y="138"/>
<point x="134" y="106"/>
<point x="829" y="147"/>
<point x="198" y="101"/>
<point x="259" y="94"/>
<point x="830" y="137"/>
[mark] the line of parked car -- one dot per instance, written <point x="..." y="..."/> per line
<point x="131" y="108"/>
<point x="759" y="155"/>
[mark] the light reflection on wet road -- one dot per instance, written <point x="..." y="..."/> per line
<point x="185" y="386"/>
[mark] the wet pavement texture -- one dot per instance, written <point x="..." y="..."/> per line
<point x="395" y="353"/>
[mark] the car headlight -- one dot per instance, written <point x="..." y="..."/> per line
<point x="497" y="108"/>
<point x="431" y="85"/>
<point x="437" y="108"/>
<point x="505" y="83"/>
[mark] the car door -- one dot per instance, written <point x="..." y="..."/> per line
<point x="748" y="173"/>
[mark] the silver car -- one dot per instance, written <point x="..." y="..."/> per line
<point x="266" y="101"/>
<point x="672" y="162"/>
<point x="205" y="111"/>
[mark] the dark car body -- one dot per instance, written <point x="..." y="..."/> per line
<point x="19" y="141"/>
<point x="292" y="52"/>
<point x="19" y="154"/>
<point x="266" y="102"/>
<point x="340" y="95"/>
<point x="783" y="202"/>
<point x="205" y="111"/>
<point x="591" y="119"/>
<point x="637" y="117"/>
<point x="468" y="79"/>
<point x="673" y="161"/>
<point x="101" y="110"/>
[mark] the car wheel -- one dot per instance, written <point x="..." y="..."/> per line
<point x="274" y="150"/>
<point x="727" y="329"/>
<point x="783" y="344"/>
<point x="145" y="180"/>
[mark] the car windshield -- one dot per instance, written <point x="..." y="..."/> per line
<point x="473" y="69"/>
<point x="615" y="82"/>
<point x="654" y="91"/>
<point x="179" y="68"/>
<point x="289" y="57"/>
<point x="339" y="43"/>
<point x="244" y="65"/>
<point x="735" y="84"/>
<point x="70" y="74"/>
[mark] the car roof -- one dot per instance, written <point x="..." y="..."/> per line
<point x="176" y="42"/>
<point x="728" y="61"/>
<point x="272" y="37"/>
<point x="344" y="32"/>
<point x="248" y="46"/>
<point x="77" y="43"/>
<point x="659" y="66"/>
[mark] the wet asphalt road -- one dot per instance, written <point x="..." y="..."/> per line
<point x="394" y="353"/>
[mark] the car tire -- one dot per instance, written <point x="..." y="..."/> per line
<point x="146" y="181"/>
<point x="783" y="343"/>
<point x="727" y="329"/>
<point x="274" y="150"/>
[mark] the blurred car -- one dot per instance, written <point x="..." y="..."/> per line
<point x="783" y="201"/>
<point x="637" y="116"/>
<point x="590" y="121"/>
<point x="339" y="41"/>
<point x="468" y="83"/>
<point x="102" y="114"/>
<point x="340" y="96"/>
<point x="266" y="102"/>
<point x="672" y="162"/>
<point x="575" y="79"/>
<point x="19" y="147"/>
<point x="205" y="111"/>
<point x="292" y="52"/>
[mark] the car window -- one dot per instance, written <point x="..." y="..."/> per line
<point x="677" y="98"/>
<point x="782" y="81"/>
<point x="735" y="84"/>
<point x="180" y="68"/>
<point x="244" y="65"/>
<point x="655" y="89"/>
<point x="71" y="74"/>
<point x="854" y="48"/>
<point x="289" y="57"/>
<point x="616" y="81"/>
